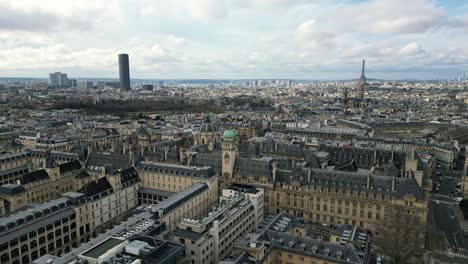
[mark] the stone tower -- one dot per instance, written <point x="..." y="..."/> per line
<point x="229" y="153"/>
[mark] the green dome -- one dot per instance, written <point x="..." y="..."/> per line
<point x="229" y="134"/>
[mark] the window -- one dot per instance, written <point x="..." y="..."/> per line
<point x="290" y="256"/>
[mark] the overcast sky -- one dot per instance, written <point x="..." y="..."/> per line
<point x="219" y="39"/>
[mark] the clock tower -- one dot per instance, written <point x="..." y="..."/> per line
<point x="229" y="153"/>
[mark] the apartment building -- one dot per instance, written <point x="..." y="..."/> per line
<point x="49" y="228"/>
<point x="210" y="239"/>
<point x="174" y="178"/>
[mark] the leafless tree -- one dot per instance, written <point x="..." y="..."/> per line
<point x="402" y="237"/>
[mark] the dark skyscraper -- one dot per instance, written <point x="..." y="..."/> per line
<point x="124" y="72"/>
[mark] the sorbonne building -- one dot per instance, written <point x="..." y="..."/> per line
<point x="332" y="195"/>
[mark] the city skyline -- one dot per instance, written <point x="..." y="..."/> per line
<point x="259" y="39"/>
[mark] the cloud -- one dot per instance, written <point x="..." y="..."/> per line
<point x="176" y="40"/>
<point x="207" y="9"/>
<point x="17" y="19"/>
<point x="195" y="9"/>
<point x="231" y="38"/>
<point x="214" y="9"/>
<point x="387" y="17"/>
<point x="411" y="49"/>
<point x="56" y="15"/>
<point x="309" y="34"/>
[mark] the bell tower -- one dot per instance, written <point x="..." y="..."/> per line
<point x="229" y="153"/>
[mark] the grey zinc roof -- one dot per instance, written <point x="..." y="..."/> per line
<point x="208" y="160"/>
<point x="254" y="167"/>
<point x="114" y="161"/>
<point x="33" y="218"/>
<point x="187" y="234"/>
<point x="12" y="171"/>
<point x="11" y="189"/>
<point x="68" y="257"/>
<point x="155" y="192"/>
<point x="202" y="172"/>
<point x="179" y="198"/>
<point x="103" y="247"/>
<point x="306" y="245"/>
<point x="9" y="157"/>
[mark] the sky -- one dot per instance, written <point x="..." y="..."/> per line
<point x="235" y="39"/>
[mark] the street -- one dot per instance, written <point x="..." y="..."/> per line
<point x="444" y="216"/>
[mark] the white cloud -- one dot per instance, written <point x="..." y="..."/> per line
<point x="410" y="49"/>
<point x="64" y="15"/>
<point x="176" y="40"/>
<point x="229" y="38"/>
<point x="309" y="34"/>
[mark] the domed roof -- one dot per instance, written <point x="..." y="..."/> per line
<point x="207" y="126"/>
<point x="229" y="134"/>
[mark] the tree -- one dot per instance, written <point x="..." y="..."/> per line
<point x="402" y="236"/>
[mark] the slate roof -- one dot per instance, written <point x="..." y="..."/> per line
<point x="202" y="172"/>
<point x="350" y="166"/>
<point x="69" y="166"/>
<point x="82" y="174"/>
<point x="95" y="187"/>
<point x="34" y="217"/>
<point x="113" y="160"/>
<point x="312" y="247"/>
<point x="34" y="176"/>
<point x="11" y="189"/>
<point x="129" y="175"/>
<point x="207" y="126"/>
<point x="208" y="160"/>
<point x="253" y="167"/>
<point x="356" y="181"/>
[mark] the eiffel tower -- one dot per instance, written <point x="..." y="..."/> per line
<point x="362" y="82"/>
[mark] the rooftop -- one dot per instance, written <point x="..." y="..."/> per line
<point x="103" y="247"/>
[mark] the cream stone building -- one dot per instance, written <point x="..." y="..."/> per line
<point x="174" y="178"/>
<point x="330" y="195"/>
<point x="210" y="239"/>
